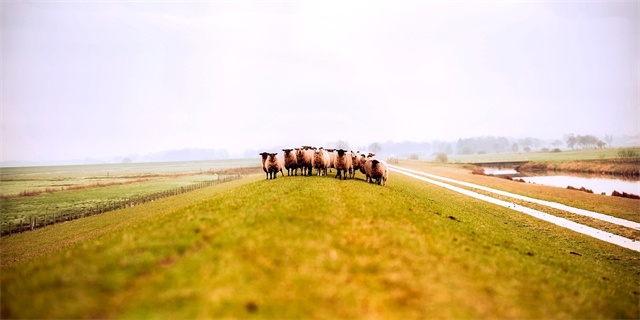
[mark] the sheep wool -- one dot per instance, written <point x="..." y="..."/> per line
<point x="344" y="164"/>
<point x="300" y="156"/>
<point x="363" y="161"/>
<point x="321" y="161"/>
<point x="273" y="165"/>
<point x="264" y="159"/>
<point x="379" y="172"/>
<point x="290" y="162"/>
<point x="332" y="158"/>
<point x="308" y="159"/>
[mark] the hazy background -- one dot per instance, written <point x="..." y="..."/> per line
<point x="98" y="80"/>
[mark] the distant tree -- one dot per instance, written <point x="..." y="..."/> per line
<point x="601" y="144"/>
<point x="442" y="157"/>
<point x="342" y="145"/>
<point x="375" y="147"/>
<point x="514" y="147"/>
<point x="126" y="160"/>
<point x="570" y="140"/>
<point x="588" y="142"/>
<point x="556" y="143"/>
<point x="608" y="139"/>
<point x="414" y="156"/>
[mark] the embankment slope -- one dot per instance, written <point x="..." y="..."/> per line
<point x="317" y="247"/>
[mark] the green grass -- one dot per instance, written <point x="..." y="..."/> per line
<point x="164" y="176"/>
<point x="14" y="209"/>
<point x="14" y="180"/>
<point x="592" y="154"/>
<point x="316" y="247"/>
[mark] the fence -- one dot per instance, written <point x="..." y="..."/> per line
<point x="36" y="222"/>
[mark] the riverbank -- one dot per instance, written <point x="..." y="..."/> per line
<point x="619" y="167"/>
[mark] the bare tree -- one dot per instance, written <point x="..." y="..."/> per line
<point x="375" y="147"/>
<point x="608" y="139"/>
<point x="342" y="145"/>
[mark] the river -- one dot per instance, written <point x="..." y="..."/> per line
<point x="598" y="183"/>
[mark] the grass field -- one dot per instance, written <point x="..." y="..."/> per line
<point x="315" y="247"/>
<point x="137" y="180"/>
<point x="591" y="154"/>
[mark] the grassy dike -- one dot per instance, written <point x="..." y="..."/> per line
<point x="316" y="247"/>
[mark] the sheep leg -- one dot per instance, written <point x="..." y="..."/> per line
<point x="337" y="174"/>
<point x="267" y="174"/>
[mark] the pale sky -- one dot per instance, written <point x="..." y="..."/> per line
<point x="109" y="78"/>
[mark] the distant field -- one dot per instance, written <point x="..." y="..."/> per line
<point x="139" y="180"/>
<point x="593" y="154"/>
<point x="315" y="247"/>
<point x="14" y="180"/>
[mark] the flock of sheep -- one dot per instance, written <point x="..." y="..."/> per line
<point x="308" y="158"/>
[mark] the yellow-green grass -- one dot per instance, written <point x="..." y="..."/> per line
<point x="14" y="209"/>
<point x="614" y="206"/>
<point x="15" y="180"/>
<point x="316" y="247"/>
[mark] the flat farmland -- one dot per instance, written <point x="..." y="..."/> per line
<point x="52" y="191"/>
<point x="316" y="247"/>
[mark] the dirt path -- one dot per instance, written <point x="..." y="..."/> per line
<point x="593" y="232"/>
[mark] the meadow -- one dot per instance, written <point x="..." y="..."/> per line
<point x="566" y="155"/>
<point x="315" y="247"/>
<point x="50" y="192"/>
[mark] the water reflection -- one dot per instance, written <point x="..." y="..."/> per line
<point x="597" y="184"/>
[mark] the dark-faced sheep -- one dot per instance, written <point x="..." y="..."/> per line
<point x="321" y="161"/>
<point x="308" y="159"/>
<point x="273" y="165"/>
<point x="344" y="164"/>
<point x="290" y="162"/>
<point x="363" y="161"/>
<point x="355" y="161"/>
<point x="300" y="154"/>
<point x="376" y="171"/>
<point x="264" y="155"/>
<point x="332" y="158"/>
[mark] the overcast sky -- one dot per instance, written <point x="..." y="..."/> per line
<point x="97" y="79"/>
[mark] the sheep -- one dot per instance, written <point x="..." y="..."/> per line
<point x="376" y="169"/>
<point x="321" y="161"/>
<point x="290" y="161"/>
<point x="300" y="156"/>
<point x="355" y="161"/>
<point x="379" y="172"/>
<point x="308" y="159"/>
<point x="332" y="159"/>
<point x="344" y="164"/>
<point x="273" y="164"/>
<point x="264" y="158"/>
<point x="363" y="160"/>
